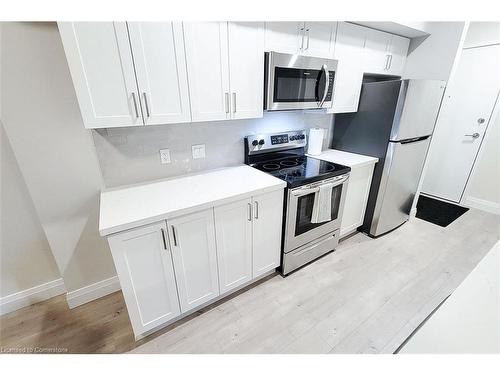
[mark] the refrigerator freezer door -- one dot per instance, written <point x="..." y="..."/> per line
<point x="402" y="170"/>
<point x="417" y="109"/>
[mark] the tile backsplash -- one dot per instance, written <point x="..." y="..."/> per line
<point x="131" y="155"/>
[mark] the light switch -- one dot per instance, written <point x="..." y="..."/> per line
<point x="198" y="151"/>
<point x="165" y="156"/>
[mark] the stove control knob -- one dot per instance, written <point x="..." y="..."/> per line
<point x="255" y="142"/>
<point x="293" y="138"/>
<point x="302" y="136"/>
<point x="261" y="142"/>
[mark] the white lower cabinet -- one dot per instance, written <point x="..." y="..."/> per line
<point x="233" y="228"/>
<point x="267" y="216"/>
<point x="144" y="266"/>
<point x="171" y="268"/>
<point x="358" y="188"/>
<point x="192" y="239"/>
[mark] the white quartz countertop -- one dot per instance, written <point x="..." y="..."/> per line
<point x="468" y="322"/>
<point x="345" y="158"/>
<point x="132" y="206"/>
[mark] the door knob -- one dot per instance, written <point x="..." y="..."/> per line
<point x="474" y="135"/>
<point x="480" y="120"/>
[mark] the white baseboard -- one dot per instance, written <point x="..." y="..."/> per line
<point x="482" y="204"/>
<point x="30" y="296"/>
<point x="93" y="291"/>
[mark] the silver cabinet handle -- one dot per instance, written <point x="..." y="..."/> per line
<point x="249" y="212"/>
<point x="473" y="135"/>
<point x="175" y="236"/>
<point x="307" y="44"/>
<point x="234" y="102"/>
<point x="135" y="105"/>
<point x="327" y="84"/>
<point x="146" y="103"/>
<point x="163" y="237"/>
<point x="302" y="42"/>
<point x="256" y="209"/>
<point x="390" y="62"/>
<point x="386" y="62"/>
<point x="227" y="102"/>
<point x="480" y="120"/>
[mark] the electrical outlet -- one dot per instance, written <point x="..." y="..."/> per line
<point x="165" y="156"/>
<point x="198" y="151"/>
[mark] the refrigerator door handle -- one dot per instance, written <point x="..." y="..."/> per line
<point x="412" y="140"/>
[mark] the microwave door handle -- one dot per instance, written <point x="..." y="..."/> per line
<point x="327" y="84"/>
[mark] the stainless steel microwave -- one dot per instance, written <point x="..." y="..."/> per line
<point x="298" y="82"/>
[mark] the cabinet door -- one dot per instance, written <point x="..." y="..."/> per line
<point x="233" y="228"/>
<point x="158" y="49"/>
<point x="208" y="69"/>
<point x="144" y="266"/>
<point x="284" y="37"/>
<point x="192" y="239"/>
<point x="349" y="76"/>
<point x="356" y="198"/>
<point x="398" y="49"/>
<point x="246" y="67"/>
<point x="267" y="231"/>
<point x="319" y="39"/>
<point x="377" y="54"/>
<point x="101" y="66"/>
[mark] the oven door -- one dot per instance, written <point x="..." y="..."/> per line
<point x="300" y="229"/>
<point x="298" y="82"/>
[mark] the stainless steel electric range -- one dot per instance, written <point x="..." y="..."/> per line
<point x="314" y="197"/>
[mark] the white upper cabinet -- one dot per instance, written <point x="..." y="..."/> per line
<point x="192" y="240"/>
<point x="349" y="49"/>
<point x="385" y="53"/>
<point x="208" y="70"/>
<point x="319" y="39"/>
<point x="160" y="64"/>
<point x="144" y="266"/>
<point x="102" y="69"/>
<point x="398" y="50"/>
<point x="225" y="64"/>
<point x="267" y="220"/>
<point x="376" y="57"/>
<point x="246" y="69"/>
<point x="233" y="228"/>
<point x="285" y="37"/>
<point x="305" y="38"/>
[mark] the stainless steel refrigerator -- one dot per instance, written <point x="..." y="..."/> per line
<point x="394" y="123"/>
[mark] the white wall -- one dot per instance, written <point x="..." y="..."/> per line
<point x="482" y="34"/>
<point x="25" y="257"/>
<point x="55" y="153"/>
<point x="432" y="57"/>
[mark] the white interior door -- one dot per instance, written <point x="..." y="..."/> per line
<point x="208" y="70"/>
<point x="246" y="67"/>
<point x="102" y="69"/>
<point x="465" y="114"/>
<point x="192" y="239"/>
<point x="144" y="266"/>
<point x="233" y="228"/>
<point x="160" y="64"/>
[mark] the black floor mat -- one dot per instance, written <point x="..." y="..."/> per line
<point x="438" y="212"/>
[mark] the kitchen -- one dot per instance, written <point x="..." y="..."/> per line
<point x="258" y="203"/>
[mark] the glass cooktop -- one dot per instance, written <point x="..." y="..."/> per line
<point x="301" y="170"/>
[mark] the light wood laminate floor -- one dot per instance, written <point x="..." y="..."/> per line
<point x="366" y="297"/>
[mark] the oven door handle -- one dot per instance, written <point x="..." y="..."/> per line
<point x="327" y="84"/>
<point x="305" y="190"/>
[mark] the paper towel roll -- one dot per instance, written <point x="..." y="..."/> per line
<point x="315" y="142"/>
